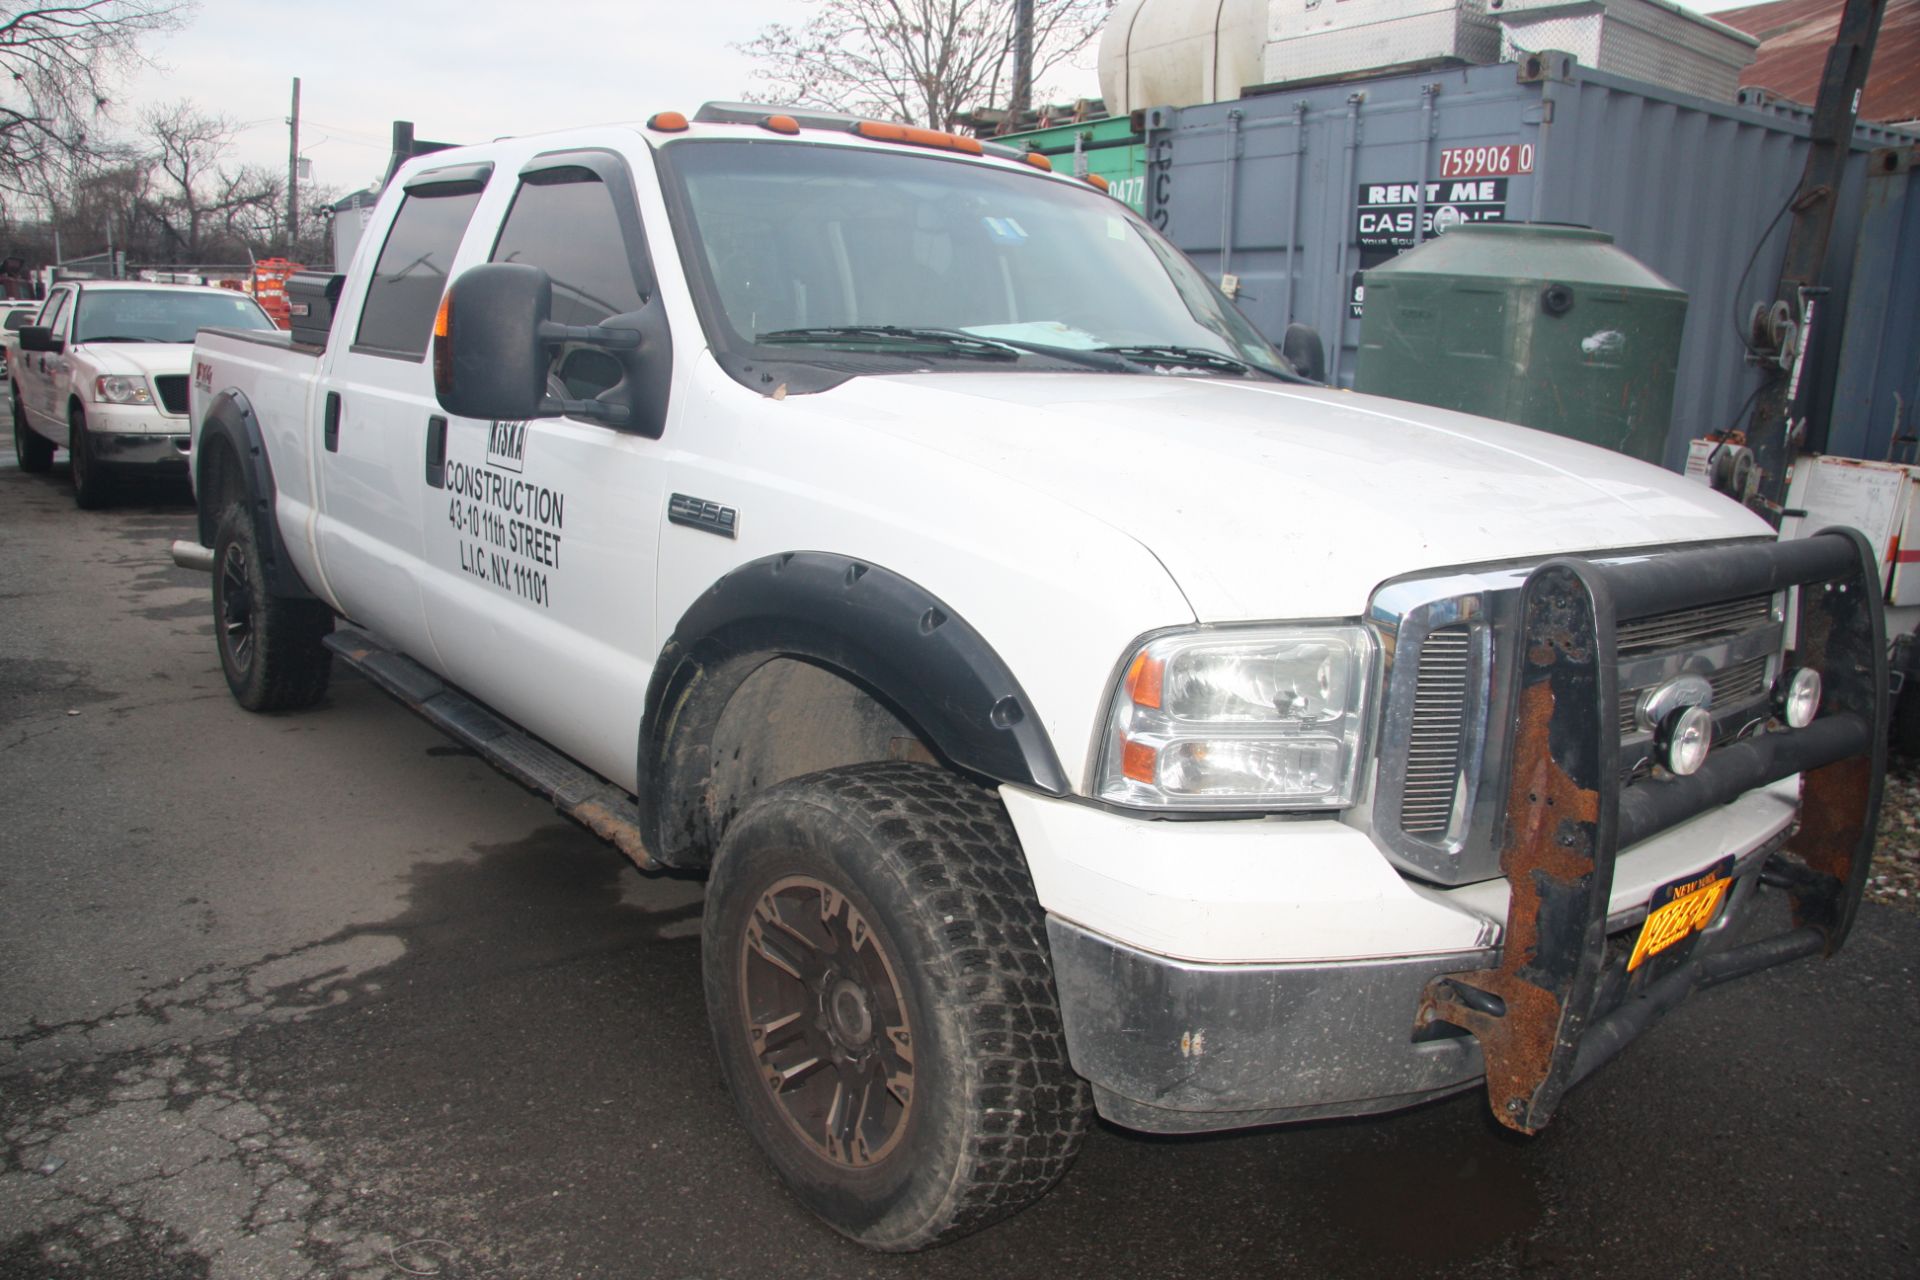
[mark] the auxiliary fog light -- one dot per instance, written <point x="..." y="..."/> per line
<point x="1685" y="738"/>
<point x="1800" y="701"/>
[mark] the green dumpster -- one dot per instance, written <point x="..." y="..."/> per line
<point x="1549" y="326"/>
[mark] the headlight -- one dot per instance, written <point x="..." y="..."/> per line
<point x="1267" y="718"/>
<point x="115" y="388"/>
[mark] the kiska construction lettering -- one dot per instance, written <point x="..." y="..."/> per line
<point x="508" y="493"/>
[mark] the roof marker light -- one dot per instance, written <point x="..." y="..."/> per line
<point x="668" y="122"/>
<point x="1095" y="180"/>
<point x="879" y="131"/>
<point x="780" y="124"/>
<point x="1038" y="161"/>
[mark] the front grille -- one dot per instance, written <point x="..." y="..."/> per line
<point x="173" y="392"/>
<point x="1741" y="682"/>
<point x="1444" y="695"/>
<point x="1688" y="627"/>
<point x="1439" y="718"/>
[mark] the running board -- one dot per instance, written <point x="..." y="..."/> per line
<point x="576" y="791"/>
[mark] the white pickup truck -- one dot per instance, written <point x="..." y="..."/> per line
<point x="1074" y="709"/>
<point x="102" y="373"/>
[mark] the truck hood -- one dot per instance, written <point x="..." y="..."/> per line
<point x="1269" y="500"/>
<point x="133" y="358"/>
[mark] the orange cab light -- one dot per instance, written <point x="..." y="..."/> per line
<point x="878" y="131"/>
<point x="443" y="344"/>
<point x="668" y="122"/>
<point x="1038" y="161"/>
<point x="1095" y="180"/>
<point x="1138" y="761"/>
<point x="780" y="124"/>
<point x="1143" y="680"/>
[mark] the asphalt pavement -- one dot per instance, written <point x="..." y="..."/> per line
<point x="321" y="995"/>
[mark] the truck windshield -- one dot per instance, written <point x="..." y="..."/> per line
<point x="802" y="246"/>
<point x="161" y="315"/>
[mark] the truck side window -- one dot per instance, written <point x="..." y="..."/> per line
<point x="55" y="310"/>
<point x="563" y="221"/>
<point x="411" y="274"/>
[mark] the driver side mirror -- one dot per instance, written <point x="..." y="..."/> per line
<point x="34" y="337"/>
<point x="494" y="341"/>
<point x="1304" y="350"/>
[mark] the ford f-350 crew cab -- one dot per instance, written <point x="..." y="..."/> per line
<point x="103" y="374"/>
<point x="1072" y="707"/>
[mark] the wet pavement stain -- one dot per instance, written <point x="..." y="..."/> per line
<point x="194" y="608"/>
<point x="31" y="686"/>
<point x="61" y="1254"/>
<point x="1401" y="1201"/>
<point x="224" y="1136"/>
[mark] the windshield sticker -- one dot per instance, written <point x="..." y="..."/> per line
<point x="1116" y="228"/>
<point x="1046" y="333"/>
<point x="1005" y="231"/>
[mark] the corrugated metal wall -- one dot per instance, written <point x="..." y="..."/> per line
<point x="1298" y="184"/>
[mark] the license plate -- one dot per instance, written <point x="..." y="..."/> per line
<point x="1682" y="909"/>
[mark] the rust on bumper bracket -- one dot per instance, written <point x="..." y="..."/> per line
<point x="1564" y="824"/>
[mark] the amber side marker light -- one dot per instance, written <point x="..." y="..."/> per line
<point x="1038" y="161"/>
<point x="1139" y="762"/>
<point x="1095" y="180"/>
<point x="443" y="344"/>
<point x="780" y="124"/>
<point x="668" y="122"/>
<point x="879" y="132"/>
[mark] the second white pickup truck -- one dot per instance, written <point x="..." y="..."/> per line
<point x="1074" y="708"/>
<point x="102" y="373"/>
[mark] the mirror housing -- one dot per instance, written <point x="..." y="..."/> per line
<point x="35" y="337"/>
<point x="488" y="358"/>
<point x="1304" y="350"/>
<point x="494" y="341"/>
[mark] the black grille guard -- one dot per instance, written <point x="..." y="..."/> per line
<point x="1568" y="813"/>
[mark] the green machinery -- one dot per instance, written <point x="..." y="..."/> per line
<point x="1548" y="326"/>
<point x="1109" y="148"/>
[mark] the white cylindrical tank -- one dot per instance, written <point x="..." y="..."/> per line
<point x="1175" y="53"/>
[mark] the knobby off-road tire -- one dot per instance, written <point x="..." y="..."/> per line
<point x="34" y="450"/>
<point x="92" y="481"/>
<point x="889" y="906"/>
<point x="270" y="648"/>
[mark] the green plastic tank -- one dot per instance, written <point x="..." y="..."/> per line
<point x="1549" y="326"/>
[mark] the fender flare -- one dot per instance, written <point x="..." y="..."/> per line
<point x="867" y="623"/>
<point x="230" y="424"/>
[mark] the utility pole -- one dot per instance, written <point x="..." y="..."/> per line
<point x="293" y="171"/>
<point x="1022" y="64"/>
<point x="1784" y="333"/>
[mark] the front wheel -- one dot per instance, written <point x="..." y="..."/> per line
<point x="270" y="646"/>
<point x="92" y="482"/>
<point x="34" y="450"/>
<point x="883" y="1006"/>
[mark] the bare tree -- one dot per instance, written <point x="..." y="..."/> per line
<point x="198" y="206"/>
<point x="58" y="66"/>
<point x="917" y="61"/>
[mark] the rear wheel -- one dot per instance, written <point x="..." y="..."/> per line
<point x="881" y="999"/>
<point x="34" y="450"/>
<point x="270" y="646"/>
<point x="92" y="482"/>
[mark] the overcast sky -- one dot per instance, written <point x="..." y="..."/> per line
<point x="461" y="70"/>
